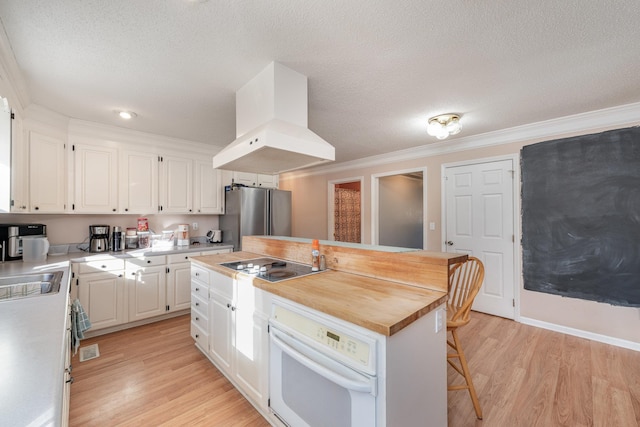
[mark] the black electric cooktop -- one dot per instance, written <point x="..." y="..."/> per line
<point x="271" y="269"/>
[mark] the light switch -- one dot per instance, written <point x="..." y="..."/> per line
<point x="432" y="226"/>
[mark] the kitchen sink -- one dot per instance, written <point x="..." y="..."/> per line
<point x="30" y="285"/>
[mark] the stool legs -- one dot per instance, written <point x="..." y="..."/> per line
<point x="463" y="370"/>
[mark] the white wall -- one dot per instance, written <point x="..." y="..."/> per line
<point x="587" y="318"/>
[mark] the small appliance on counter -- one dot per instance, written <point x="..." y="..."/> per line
<point x="11" y="238"/>
<point x="99" y="238"/>
<point x="182" y="235"/>
<point x="34" y="248"/>
<point x="214" y="236"/>
<point x="116" y="239"/>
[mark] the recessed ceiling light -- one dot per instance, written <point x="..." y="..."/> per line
<point x="127" y="114"/>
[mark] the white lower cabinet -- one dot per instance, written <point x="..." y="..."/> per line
<point x="101" y="291"/>
<point x="147" y="286"/>
<point x="237" y="330"/>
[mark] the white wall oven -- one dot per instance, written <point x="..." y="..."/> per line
<point x="322" y="372"/>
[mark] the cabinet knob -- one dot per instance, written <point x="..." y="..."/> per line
<point x="36" y="208"/>
<point x="228" y="305"/>
<point x="186" y="257"/>
<point x="113" y="210"/>
<point x="197" y="274"/>
<point x="197" y="304"/>
<point x="126" y="209"/>
<point x="197" y="289"/>
<point x="103" y="266"/>
<point x="148" y="261"/>
<point x="233" y="308"/>
<point x="197" y="336"/>
<point x="197" y="318"/>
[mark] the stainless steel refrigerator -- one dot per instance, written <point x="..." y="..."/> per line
<point x="255" y="212"/>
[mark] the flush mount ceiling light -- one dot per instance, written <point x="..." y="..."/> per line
<point x="444" y="125"/>
<point x="126" y="114"/>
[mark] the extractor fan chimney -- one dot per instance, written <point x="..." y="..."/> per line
<point x="271" y="126"/>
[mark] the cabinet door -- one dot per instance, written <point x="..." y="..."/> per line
<point x="19" y="178"/>
<point x="176" y="184"/>
<point x="96" y="179"/>
<point x="139" y="182"/>
<point x="250" y="341"/>
<point x="102" y="297"/>
<point x="245" y="178"/>
<point x="147" y="291"/>
<point x="47" y="174"/>
<point x="179" y="286"/>
<point x="268" y="181"/>
<point x="220" y="316"/>
<point x="208" y="194"/>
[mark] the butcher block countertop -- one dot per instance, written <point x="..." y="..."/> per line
<point x="382" y="306"/>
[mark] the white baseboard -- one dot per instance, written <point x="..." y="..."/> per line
<point x="580" y="333"/>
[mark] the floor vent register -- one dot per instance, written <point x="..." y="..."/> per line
<point x="89" y="352"/>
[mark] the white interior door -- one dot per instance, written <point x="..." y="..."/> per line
<point x="479" y="214"/>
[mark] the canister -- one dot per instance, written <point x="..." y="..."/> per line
<point x="143" y="224"/>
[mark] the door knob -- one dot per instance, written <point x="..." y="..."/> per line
<point x="450" y="243"/>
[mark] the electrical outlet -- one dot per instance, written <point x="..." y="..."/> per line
<point x="439" y="320"/>
<point x="194" y="225"/>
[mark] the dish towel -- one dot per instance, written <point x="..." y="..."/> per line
<point x="79" y="324"/>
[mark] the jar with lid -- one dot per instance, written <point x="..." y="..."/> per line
<point x="143" y="239"/>
<point x="143" y="224"/>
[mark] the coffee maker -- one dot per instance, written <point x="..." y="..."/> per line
<point x="99" y="238"/>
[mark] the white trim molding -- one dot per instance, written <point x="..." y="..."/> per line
<point x="578" y="124"/>
<point x="618" y="342"/>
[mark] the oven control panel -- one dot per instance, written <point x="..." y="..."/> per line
<point x="348" y="346"/>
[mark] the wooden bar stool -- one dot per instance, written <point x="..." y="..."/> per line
<point x="465" y="280"/>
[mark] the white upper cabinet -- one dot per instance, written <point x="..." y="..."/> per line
<point x="255" y="179"/>
<point x="208" y="192"/>
<point x="176" y="184"/>
<point x="19" y="178"/>
<point x="47" y="173"/>
<point x="96" y="179"/>
<point x="138" y="182"/>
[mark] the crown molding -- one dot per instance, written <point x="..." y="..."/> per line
<point x="11" y="75"/>
<point x="584" y="123"/>
<point x="97" y="131"/>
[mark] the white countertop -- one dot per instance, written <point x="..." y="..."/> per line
<point x="32" y="339"/>
<point x="32" y="350"/>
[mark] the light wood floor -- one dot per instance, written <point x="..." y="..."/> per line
<point x="527" y="376"/>
<point x="153" y="375"/>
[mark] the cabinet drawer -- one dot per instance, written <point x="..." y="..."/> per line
<point x="147" y="261"/>
<point x="183" y="257"/>
<point x="199" y="304"/>
<point x="199" y="320"/>
<point x="222" y="285"/>
<point x="200" y="274"/>
<point x="200" y="337"/>
<point x="199" y="289"/>
<point x="103" y="265"/>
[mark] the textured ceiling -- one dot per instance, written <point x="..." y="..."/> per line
<point x="377" y="69"/>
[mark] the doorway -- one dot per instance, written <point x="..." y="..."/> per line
<point x="399" y="203"/>
<point x="345" y="210"/>
<point x="480" y="213"/>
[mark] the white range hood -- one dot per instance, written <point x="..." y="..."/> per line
<point x="271" y="126"/>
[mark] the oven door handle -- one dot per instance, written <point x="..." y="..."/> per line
<point x="279" y="338"/>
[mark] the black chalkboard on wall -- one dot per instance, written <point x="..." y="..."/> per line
<point x="581" y="217"/>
